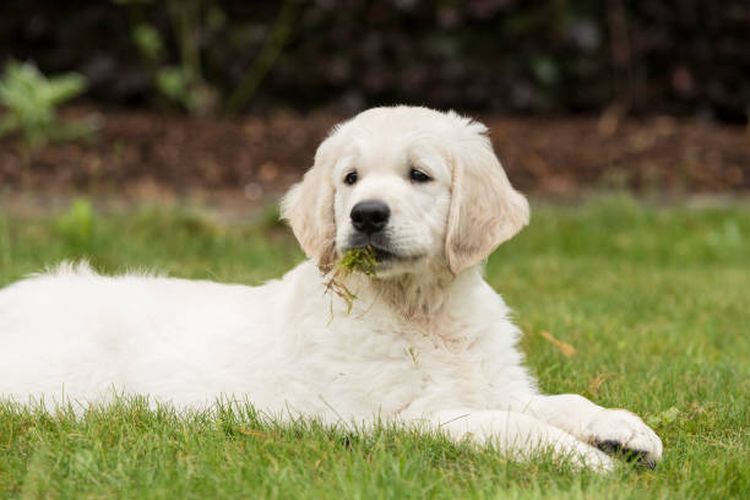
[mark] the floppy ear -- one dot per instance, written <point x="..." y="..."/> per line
<point x="308" y="207"/>
<point x="485" y="210"/>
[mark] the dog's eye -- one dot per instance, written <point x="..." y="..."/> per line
<point x="418" y="176"/>
<point x="351" y="178"/>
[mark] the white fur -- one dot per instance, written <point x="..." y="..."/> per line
<point x="427" y="341"/>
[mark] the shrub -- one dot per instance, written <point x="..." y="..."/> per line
<point x="31" y="100"/>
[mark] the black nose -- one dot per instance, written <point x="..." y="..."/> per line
<point x="370" y="216"/>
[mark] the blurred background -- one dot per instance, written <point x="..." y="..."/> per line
<point x="172" y="98"/>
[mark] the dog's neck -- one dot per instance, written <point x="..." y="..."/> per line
<point x="422" y="299"/>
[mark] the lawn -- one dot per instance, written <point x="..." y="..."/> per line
<point x="654" y="301"/>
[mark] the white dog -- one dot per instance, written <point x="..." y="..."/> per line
<point x="426" y="341"/>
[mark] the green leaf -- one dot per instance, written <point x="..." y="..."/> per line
<point x="174" y="83"/>
<point x="667" y="417"/>
<point x="149" y="42"/>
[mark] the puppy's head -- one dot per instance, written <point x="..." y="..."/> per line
<point x="417" y="186"/>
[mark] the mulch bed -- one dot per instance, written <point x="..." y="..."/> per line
<point x="142" y="152"/>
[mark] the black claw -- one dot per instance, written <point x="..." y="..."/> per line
<point x="648" y="463"/>
<point x="616" y="448"/>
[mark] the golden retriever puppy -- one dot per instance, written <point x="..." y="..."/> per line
<point x="420" y="338"/>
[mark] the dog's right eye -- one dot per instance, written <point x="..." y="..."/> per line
<point x="351" y="178"/>
<point x="419" y="176"/>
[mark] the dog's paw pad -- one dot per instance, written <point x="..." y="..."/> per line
<point x="621" y="433"/>
<point x="615" y="448"/>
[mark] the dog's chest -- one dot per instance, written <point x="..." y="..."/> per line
<point x="376" y="363"/>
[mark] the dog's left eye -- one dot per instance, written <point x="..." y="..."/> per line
<point x="351" y="178"/>
<point x="418" y="176"/>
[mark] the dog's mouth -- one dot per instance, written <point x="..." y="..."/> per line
<point x="382" y="256"/>
<point x="376" y="251"/>
<point x="373" y="252"/>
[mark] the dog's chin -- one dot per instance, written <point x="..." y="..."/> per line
<point x="391" y="265"/>
<point x="397" y="269"/>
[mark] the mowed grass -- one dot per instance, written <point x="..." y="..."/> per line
<point x="654" y="301"/>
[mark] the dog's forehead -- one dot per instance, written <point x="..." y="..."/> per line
<point x="388" y="139"/>
<point x="392" y="154"/>
<point x="383" y="146"/>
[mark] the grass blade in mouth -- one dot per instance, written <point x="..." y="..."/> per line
<point x="361" y="260"/>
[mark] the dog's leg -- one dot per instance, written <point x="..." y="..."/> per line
<point x="614" y="431"/>
<point x="518" y="435"/>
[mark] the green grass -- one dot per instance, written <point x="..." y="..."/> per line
<point x="656" y="302"/>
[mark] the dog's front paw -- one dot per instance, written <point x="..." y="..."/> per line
<point x="620" y="432"/>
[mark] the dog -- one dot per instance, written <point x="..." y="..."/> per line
<point x="419" y="340"/>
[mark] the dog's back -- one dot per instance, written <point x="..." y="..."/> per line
<point x="76" y="334"/>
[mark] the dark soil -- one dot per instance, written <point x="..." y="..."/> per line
<point x="141" y="152"/>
